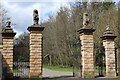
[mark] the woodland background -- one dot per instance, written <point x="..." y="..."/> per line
<point x="61" y="43"/>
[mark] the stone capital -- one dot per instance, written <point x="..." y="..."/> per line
<point x="108" y="35"/>
<point x="86" y="30"/>
<point x="8" y="34"/>
<point x="35" y="28"/>
<point x="105" y="37"/>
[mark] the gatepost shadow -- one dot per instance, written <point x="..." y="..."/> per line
<point x="7" y="72"/>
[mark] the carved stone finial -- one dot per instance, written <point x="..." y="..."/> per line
<point x="85" y="19"/>
<point x="8" y="28"/>
<point x="108" y="31"/>
<point x="107" y="27"/>
<point x="35" y="17"/>
<point x="8" y="23"/>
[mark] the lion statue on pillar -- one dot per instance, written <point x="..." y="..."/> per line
<point x="35" y="17"/>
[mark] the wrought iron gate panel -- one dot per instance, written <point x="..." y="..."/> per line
<point x="99" y="53"/>
<point x="21" y="63"/>
<point x="21" y="69"/>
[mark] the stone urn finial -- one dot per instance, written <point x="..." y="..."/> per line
<point x="8" y="24"/>
<point x="7" y="28"/>
<point x="35" y="17"/>
<point x="108" y="33"/>
<point x="108" y="27"/>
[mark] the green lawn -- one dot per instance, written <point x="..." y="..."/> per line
<point x="58" y="68"/>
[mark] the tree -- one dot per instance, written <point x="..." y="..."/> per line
<point x="21" y="48"/>
<point x="3" y="19"/>
<point x="61" y="39"/>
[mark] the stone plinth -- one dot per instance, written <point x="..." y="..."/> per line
<point x="86" y="38"/>
<point x="35" y="50"/>
<point x="7" y="53"/>
<point x="109" y="45"/>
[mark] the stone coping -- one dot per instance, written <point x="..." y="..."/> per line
<point x="86" y="30"/>
<point x="8" y="34"/>
<point x="108" y="37"/>
<point x="35" y="28"/>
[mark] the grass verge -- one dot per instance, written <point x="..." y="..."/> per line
<point x="58" y="68"/>
<point x="118" y="77"/>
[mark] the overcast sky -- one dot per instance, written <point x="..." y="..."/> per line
<point x="21" y="11"/>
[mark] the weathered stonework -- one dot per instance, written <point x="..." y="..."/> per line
<point x="0" y="61"/>
<point x="118" y="60"/>
<point x="86" y="38"/>
<point x="7" y="53"/>
<point x="35" y="51"/>
<point x="109" y="45"/>
<point x="1" y="48"/>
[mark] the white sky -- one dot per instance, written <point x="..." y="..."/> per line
<point x="21" y="11"/>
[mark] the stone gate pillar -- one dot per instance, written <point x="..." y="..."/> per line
<point x="35" y="48"/>
<point x="35" y="51"/>
<point x="86" y="38"/>
<point x="109" y="45"/>
<point x="1" y="61"/>
<point x="7" y="52"/>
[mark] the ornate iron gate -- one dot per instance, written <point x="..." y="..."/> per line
<point x="21" y="58"/>
<point x="99" y="54"/>
<point x="21" y="70"/>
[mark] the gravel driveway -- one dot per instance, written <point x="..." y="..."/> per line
<point x="51" y="73"/>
